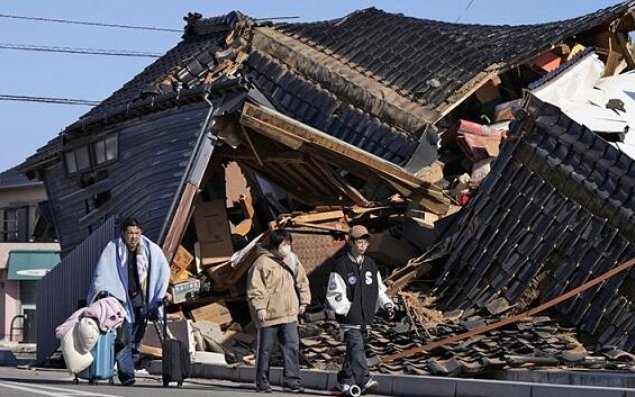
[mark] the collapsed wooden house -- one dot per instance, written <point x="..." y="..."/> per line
<point x="318" y="111"/>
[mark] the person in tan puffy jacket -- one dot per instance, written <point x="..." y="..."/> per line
<point x="278" y="291"/>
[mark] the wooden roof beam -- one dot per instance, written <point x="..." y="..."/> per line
<point x="299" y="136"/>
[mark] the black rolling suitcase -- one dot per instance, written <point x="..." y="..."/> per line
<point x="177" y="364"/>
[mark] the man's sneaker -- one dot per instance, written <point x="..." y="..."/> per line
<point x="128" y="382"/>
<point x="294" y="389"/>
<point x="267" y="389"/>
<point x="370" y="386"/>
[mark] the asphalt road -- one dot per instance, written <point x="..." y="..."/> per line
<point x="30" y="383"/>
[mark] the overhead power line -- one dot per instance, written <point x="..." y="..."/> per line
<point x="469" y="4"/>
<point x="59" y="101"/>
<point x="276" y="18"/>
<point x="88" y="51"/>
<point x="108" y="25"/>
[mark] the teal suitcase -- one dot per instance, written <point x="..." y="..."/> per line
<point x="103" y="365"/>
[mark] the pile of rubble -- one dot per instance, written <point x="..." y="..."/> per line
<point x="208" y="290"/>
<point x="220" y="331"/>
<point x="210" y="309"/>
<point x="532" y="342"/>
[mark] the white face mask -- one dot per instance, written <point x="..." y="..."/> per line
<point x="284" y="249"/>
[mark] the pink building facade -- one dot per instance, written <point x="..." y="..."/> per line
<point x="27" y="250"/>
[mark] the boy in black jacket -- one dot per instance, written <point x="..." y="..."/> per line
<point x="356" y="292"/>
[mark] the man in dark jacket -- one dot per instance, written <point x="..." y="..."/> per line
<point x="356" y="292"/>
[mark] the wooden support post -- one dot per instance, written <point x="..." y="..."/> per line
<point x="251" y="144"/>
<point x="179" y="223"/>
<point x="626" y="49"/>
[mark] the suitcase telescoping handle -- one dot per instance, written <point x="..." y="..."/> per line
<point x="168" y="335"/>
<point x="163" y="332"/>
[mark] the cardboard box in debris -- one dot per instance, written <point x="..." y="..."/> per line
<point x="212" y="229"/>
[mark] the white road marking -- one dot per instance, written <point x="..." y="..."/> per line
<point x="54" y="391"/>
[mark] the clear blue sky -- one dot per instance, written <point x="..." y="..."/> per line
<point x="27" y="126"/>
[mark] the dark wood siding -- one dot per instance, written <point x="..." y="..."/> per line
<point x="153" y="154"/>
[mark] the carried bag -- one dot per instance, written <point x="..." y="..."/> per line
<point x="293" y="275"/>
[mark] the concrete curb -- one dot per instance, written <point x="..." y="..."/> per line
<point x="410" y="385"/>
<point x="18" y="347"/>
<point x="581" y="377"/>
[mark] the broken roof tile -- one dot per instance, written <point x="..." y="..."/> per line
<point x="570" y="224"/>
<point x="461" y="50"/>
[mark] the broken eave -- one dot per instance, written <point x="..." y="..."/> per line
<point x="144" y="106"/>
<point x="467" y="90"/>
<point x="616" y="29"/>
<point x="308" y="140"/>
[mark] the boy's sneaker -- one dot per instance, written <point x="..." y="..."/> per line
<point x="370" y="386"/>
<point x="341" y="389"/>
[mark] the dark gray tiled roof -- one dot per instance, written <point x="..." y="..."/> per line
<point x="298" y="97"/>
<point x="408" y="53"/>
<point x="152" y="81"/>
<point x="555" y="211"/>
<point x="178" y="70"/>
<point x="424" y="60"/>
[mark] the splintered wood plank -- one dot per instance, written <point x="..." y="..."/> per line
<point x="319" y="216"/>
<point x="287" y="157"/>
<point x="342" y="184"/>
<point x="278" y="127"/>
<point x="303" y="176"/>
<point x="251" y="145"/>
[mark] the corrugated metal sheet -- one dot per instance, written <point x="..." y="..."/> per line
<point x="59" y="292"/>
